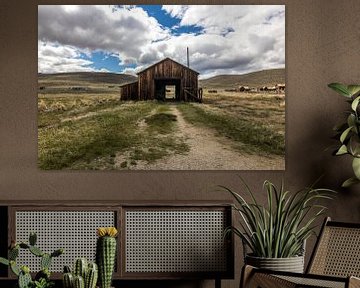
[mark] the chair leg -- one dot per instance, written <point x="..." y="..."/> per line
<point x="246" y="273"/>
<point x="217" y="283"/>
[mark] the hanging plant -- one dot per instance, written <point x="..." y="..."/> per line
<point x="349" y="132"/>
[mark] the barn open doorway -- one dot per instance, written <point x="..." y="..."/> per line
<point x="167" y="89"/>
<point x="170" y="92"/>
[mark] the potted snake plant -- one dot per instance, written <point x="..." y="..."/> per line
<point x="348" y="132"/>
<point x="274" y="234"/>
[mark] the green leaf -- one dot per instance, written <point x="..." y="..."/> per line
<point x="340" y="88"/>
<point x="349" y="182"/>
<point x="4" y="261"/>
<point x="36" y="251"/>
<point x="345" y="134"/>
<point x="14" y="268"/>
<point x="354" y="145"/>
<point x="24" y="245"/>
<point x="45" y="261"/>
<point x="353" y="89"/>
<point x="356" y="167"/>
<point x="342" y="150"/>
<point x="355" y="103"/>
<point x="32" y="238"/>
<point x="351" y="120"/>
<point x="13" y="253"/>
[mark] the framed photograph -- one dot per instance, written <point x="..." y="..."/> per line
<point x="161" y="87"/>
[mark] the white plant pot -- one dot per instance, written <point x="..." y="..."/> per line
<point x="291" y="264"/>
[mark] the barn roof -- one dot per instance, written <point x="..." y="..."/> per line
<point x="167" y="58"/>
<point x="129" y="83"/>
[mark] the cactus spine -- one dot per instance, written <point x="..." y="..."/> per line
<point x="105" y="255"/>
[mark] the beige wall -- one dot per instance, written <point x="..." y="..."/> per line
<point x="322" y="46"/>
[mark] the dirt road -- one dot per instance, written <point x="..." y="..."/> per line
<point x="209" y="152"/>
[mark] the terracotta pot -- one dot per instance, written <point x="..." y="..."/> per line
<point x="291" y="264"/>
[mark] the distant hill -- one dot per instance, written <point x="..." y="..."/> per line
<point x="255" y="79"/>
<point x="84" y="78"/>
<point x="82" y="82"/>
<point x="100" y="80"/>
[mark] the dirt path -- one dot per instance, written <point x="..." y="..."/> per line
<point x="210" y="152"/>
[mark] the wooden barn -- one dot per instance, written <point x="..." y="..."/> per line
<point x="164" y="80"/>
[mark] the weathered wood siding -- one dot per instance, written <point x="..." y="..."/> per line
<point x="166" y="69"/>
<point x="130" y="91"/>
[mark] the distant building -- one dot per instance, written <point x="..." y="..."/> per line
<point x="280" y="87"/>
<point x="244" y="88"/>
<point x="153" y="81"/>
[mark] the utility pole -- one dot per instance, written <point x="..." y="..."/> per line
<point x="187" y="54"/>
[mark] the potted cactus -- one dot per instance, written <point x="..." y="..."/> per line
<point x="106" y="254"/>
<point x="42" y="278"/>
<point x="84" y="275"/>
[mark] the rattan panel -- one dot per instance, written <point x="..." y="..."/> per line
<point x="313" y="282"/>
<point x="175" y="241"/>
<point x="338" y="253"/>
<point x="75" y="231"/>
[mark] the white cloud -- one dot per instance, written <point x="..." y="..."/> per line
<point x="106" y="28"/>
<point x="54" y="58"/>
<point x="176" y="11"/>
<point x="234" y="39"/>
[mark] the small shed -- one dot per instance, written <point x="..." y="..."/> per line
<point x="166" y="75"/>
<point x="129" y="91"/>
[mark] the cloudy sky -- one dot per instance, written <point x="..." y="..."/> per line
<point x="126" y="39"/>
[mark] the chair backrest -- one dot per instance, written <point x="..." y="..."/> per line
<point x="337" y="251"/>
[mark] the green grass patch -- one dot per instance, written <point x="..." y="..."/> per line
<point x="162" y="123"/>
<point x="89" y="138"/>
<point x="158" y="137"/>
<point x="95" y="141"/>
<point x="251" y="136"/>
<point x="162" y="148"/>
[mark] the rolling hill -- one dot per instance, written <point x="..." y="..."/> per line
<point x="255" y="79"/>
<point x="86" y="77"/>
<point x="98" y="81"/>
<point x="82" y="82"/>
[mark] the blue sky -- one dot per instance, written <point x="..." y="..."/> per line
<point x="170" y="22"/>
<point x="103" y="61"/>
<point x="222" y="39"/>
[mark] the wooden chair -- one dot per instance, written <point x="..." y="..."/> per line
<point x="334" y="263"/>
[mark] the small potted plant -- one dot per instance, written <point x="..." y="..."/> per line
<point x="276" y="233"/>
<point x="349" y="131"/>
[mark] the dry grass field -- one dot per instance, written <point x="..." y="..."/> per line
<point x="83" y="125"/>
<point x="267" y="109"/>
